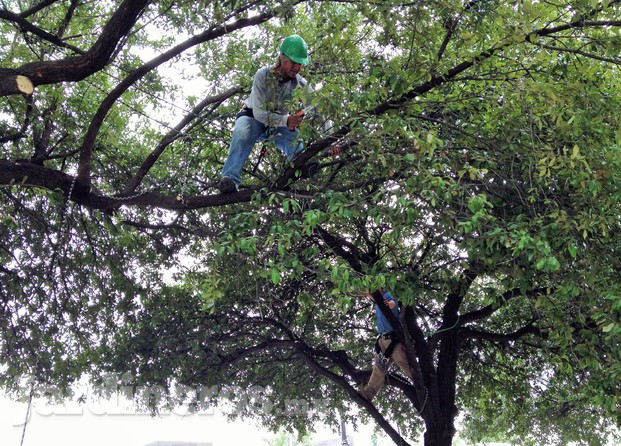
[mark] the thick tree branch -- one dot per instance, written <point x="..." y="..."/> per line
<point x="421" y="362"/>
<point x="26" y="174"/>
<point x="353" y="393"/>
<point x="503" y="337"/>
<point x="346" y="250"/>
<point x="76" y="68"/>
<point x="12" y="83"/>
<point x="490" y="309"/>
<point x="449" y="346"/>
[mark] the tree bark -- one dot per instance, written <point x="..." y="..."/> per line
<point x="438" y="436"/>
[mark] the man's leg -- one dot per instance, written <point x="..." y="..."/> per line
<point x="376" y="382"/>
<point x="399" y="356"/>
<point x="288" y="141"/>
<point x="245" y="133"/>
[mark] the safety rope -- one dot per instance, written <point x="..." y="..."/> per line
<point x="420" y="411"/>
<point x="431" y="333"/>
<point x="63" y="232"/>
<point x="127" y="197"/>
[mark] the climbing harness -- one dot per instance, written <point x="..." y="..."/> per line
<point x="381" y="361"/>
<point x="382" y="358"/>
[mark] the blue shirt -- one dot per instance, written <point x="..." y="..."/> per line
<point x="383" y="325"/>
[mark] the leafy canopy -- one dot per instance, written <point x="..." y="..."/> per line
<point x="479" y="181"/>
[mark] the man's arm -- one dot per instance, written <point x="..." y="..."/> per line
<point x="388" y="299"/>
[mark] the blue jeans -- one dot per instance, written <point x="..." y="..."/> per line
<point x="249" y="131"/>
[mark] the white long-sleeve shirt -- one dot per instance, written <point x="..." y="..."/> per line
<point x="269" y="97"/>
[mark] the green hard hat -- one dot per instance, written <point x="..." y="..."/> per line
<point x="294" y="47"/>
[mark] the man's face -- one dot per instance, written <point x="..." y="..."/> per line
<point x="289" y="67"/>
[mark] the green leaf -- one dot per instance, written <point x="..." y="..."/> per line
<point x="275" y="275"/>
<point x="608" y="328"/>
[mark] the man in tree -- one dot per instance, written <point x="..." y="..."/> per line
<point x="388" y="348"/>
<point x="265" y="114"/>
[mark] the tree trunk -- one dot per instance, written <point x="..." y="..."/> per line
<point x="439" y="435"/>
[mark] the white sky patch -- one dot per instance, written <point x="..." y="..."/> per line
<point x="105" y="423"/>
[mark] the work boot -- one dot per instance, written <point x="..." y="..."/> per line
<point x="226" y="186"/>
<point x="309" y="169"/>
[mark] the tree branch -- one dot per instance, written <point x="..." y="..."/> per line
<point x="27" y="26"/>
<point x="38" y="7"/>
<point x="346" y="250"/>
<point x="503" y="337"/>
<point x="579" y="52"/>
<point x="12" y="83"/>
<point x="26" y="174"/>
<point x="449" y="345"/>
<point x="490" y="309"/>
<point x="101" y="51"/>
<point x="354" y="395"/>
<point x="434" y="82"/>
<point x="76" y="68"/>
<point x="25" y="123"/>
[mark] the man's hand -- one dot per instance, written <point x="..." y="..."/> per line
<point x="334" y="150"/>
<point x="390" y="303"/>
<point x="367" y="295"/>
<point x="295" y="120"/>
